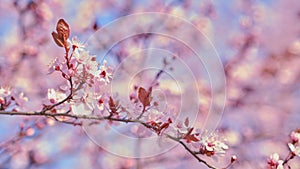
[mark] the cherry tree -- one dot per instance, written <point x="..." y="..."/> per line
<point x="147" y="90"/>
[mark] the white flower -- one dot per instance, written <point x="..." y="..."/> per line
<point x="76" y="45"/>
<point x="100" y="103"/>
<point x="105" y="72"/>
<point x="295" y="148"/>
<point x="11" y="99"/>
<point x="55" y="65"/>
<point x="55" y="97"/>
<point x="82" y="57"/>
<point x="85" y="101"/>
<point x="91" y="66"/>
<point x="280" y="164"/>
<point x="4" y="92"/>
<point x="295" y="136"/>
<point x="212" y="144"/>
<point x="274" y="161"/>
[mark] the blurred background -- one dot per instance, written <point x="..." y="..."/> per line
<point x="258" y="42"/>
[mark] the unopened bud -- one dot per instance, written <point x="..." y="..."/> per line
<point x="233" y="158"/>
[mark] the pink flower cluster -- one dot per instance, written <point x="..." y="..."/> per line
<point x="204" y="143"/>
<point x="209" y="144"/>
<point x="11" y="100"/>
<point x="87" y="93"/>
<point x="82" y="66"/>
<point x="87" y="79"/>
<point x="274" y="162"/>
<point x="294" y="145"/>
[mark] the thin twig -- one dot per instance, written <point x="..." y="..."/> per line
<point x="101" y="118"/>
<point x="191" y="152"/>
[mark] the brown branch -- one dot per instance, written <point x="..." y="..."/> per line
<point x="290" y="156"/>
<point x="45" y="109"/>
<point x="101" y="118"/>
<point x="191" y="152"/>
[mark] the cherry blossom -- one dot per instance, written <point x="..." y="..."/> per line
<point x="259" y="53"/>
<point x="55" y="66"/>
<point x="11" y="99"/>
<point x="77" y="46"/>
<point x="55" y="96"/>
<point x="106" y="72"/>
<point x="274" y="162"/>
<point x="212" y="144"/>
<point x="295" y="136"/>
<point x="294" y="148"/>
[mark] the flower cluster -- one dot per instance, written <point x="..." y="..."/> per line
<point x="87" y="78"/>
<point x="205" y="143"/>
<point x="294" y="145"/>
<point x="274" y="162"/>
<point x="163" y="122"/>
<point x="82" y="66"/>
<point x="90" y="79"/>
<point x="55" y="96"/>
<point x="11" y="100"/>
<point x="211" y="144"/>
<point x="86" y="93"/>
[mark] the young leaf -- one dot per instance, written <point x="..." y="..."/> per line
<point x="57" y="40"/>
<point x="112" y="106"/>
<point x="144" y="96"/>
<point x="63" y="33"/>
<point x="190" y="137"/>
<point x="63" y="29"/>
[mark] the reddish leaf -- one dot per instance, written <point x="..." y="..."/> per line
<point x="154" y="124"/>
<point x="164" y="126"/>
<point x="63" y="33"/>
<point x="190" y="137"/>
<point x="63" y="29"/>
<point x="112" y="106"/>
<point x="159" y="126"/>
<point x="144" y="96"/>
<point x="190" y="131"/>
<point x="57" y="39"/>
<point x="111" y="102"/>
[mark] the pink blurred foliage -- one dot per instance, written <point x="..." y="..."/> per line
<point x="259" y="46"/>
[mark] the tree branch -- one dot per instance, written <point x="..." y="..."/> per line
<point x="191" y="152"/>
<point x="101" y="118"/>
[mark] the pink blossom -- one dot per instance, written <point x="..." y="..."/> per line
<point x="55" y="96"/>
<point x="274" y="162"/>
<point x="105" y="72"/>
<point x="55" y="65"/>
<point x="5" y="91"/>
<point x="295" y="136"/>
<point x="100" y="103"/>
<point x="211" y="144"/>
<point x="294" y="148"/>
<point x="12" y="99"/>
<point x="76" y="44"/>
<point x="82" y="57"/>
